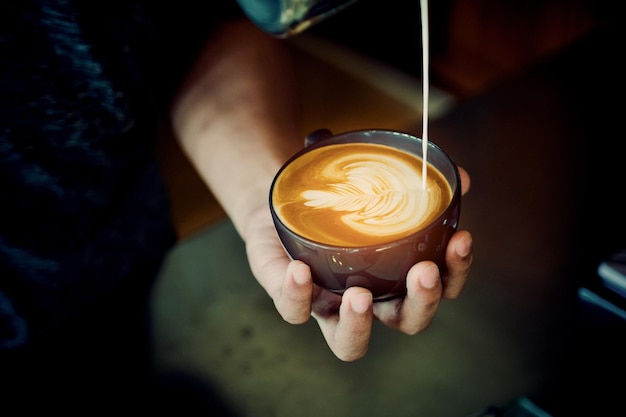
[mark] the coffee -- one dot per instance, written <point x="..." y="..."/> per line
<point x="358" y="194"/>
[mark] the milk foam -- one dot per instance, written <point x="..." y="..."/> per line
<point x="378" y="195"/>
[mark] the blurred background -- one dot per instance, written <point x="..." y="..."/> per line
<point x="525" y="96"/>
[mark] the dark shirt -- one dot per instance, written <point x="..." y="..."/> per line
<point x="82" y="84"/>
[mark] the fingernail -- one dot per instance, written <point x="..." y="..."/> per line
<point x="464" y="246"/>
<point x="301" y="274"/>
<point x="361" y="302"/>
<point x="429" y="277"/>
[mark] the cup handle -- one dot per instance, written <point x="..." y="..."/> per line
<point x="316" y="136"/>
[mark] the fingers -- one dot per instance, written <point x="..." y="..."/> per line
<point x="416" y="310"/>
<point x="346" y="321"/>
<point x="459" y="258"/>
<point x="348" y="333"/>
<point x="294" y="300"/>
<point x="426" y="288"/>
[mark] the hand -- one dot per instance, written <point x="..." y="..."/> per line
<point x="346" y="321"/>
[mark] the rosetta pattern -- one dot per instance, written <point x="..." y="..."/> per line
<point x="382" y="197"/>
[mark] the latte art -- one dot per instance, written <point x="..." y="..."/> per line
<point x="378" y="197"/>
<point x="358" y="194"/>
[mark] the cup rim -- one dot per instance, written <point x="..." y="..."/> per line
<point x="454" y="201"/>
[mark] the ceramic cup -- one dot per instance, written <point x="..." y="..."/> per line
<point x="355" y="208"/>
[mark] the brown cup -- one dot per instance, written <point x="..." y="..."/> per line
<point x="380" y="267"/>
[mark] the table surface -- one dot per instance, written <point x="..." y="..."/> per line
<point x="510" y="334"/>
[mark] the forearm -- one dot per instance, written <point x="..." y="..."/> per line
<point x="235" y="117"/>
